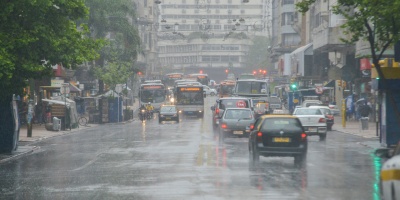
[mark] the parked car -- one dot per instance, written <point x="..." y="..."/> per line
<point x="236" y="122"/>
<point x="278" y="135"/>
<point x="228" y="102"/>
<point x="209" y="91"/>
<point x="313" y="121"/>
<point x="168" y="113"/>
<point x="330" y="119"/>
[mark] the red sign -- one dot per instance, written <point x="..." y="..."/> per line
<point x="149" y="87"/>
<point x="365" y="64"/>
<point x="319" y="89"/>
<point x="241" y="104"/>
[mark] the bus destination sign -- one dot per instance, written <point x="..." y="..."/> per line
<point x="189" y="89"/>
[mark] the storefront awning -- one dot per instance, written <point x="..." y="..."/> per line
<point x="304" y="50"/>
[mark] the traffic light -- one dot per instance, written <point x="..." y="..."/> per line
<point x="293" y="86"/>
<point x="201" y="71"/>
<point x="254" y="72"/>
<point x="226" y="71"/>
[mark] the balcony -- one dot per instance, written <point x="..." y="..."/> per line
<point x="328" y="38"/>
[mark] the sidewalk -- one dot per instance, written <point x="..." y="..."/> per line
<point x="354" y="128"/>
<point x="39" y="133"/>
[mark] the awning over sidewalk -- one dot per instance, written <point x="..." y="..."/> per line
<point x="330" y="84"/>
<point x="297" y="59"/>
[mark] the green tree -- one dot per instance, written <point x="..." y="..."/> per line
<point x="116" y="17"/>
<point x="32" y="31"/>
<point x="258" y="55"/>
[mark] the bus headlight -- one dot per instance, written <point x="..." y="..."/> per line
<point x="172" y="100"/>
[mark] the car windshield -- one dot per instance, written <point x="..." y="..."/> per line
<point x="326" y="111"/>
<point x="238" y="114"/>
<point x="289" y="124"/>
<point x="168" y="109"/>
<point x="309" y="111"/>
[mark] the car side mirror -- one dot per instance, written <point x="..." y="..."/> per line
<point x="212" y="108"/>
<point x="383" y="153"/>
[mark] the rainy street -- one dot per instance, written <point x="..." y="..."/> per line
<point x="185" y="161"/>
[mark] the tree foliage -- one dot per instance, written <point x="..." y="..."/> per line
<point x="258" y="55"/>
<point x="32" y="31"/>
<point x="117" y="18"/>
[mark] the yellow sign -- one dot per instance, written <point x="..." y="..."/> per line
<point x="295" y="101"/>
<point x="189" y="89"/>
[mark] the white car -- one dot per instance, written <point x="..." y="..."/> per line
<point x="209" y="91"/>
<point x="313" y="121"/>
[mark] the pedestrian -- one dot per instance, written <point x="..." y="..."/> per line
<point x="364" y="110"/>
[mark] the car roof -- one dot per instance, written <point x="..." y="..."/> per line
<point x="233" y="98"/>
<point x="278" y="116"/>
<point x="319" y="107"/>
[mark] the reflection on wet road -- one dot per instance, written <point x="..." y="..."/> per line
<point x="185" y="161"/>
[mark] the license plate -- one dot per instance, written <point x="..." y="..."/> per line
<point x="281" y="139"/>
<point x="168" y="118"/>
<point x="312" y="129"/>
<point x="238" y="132"/>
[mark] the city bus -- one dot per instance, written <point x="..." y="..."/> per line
<point x="226" y="88"/>
<point x="190" y="100"/>
<point x="169" y="79"/>
<point x="202" y="78"/>
<point x="257" y="90"/>
<point x="154" y="93"/>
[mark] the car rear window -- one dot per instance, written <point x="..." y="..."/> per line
<point x="234" y="103"/>
<point x="274" y="100"/>
<point x="290" y="124"/>
<point x="308" y="112"/>
<point x="238" y="114"/>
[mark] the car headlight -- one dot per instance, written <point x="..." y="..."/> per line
<point x="172" y="99"/>
<point x="200" y="111"/>
<point x="180" y="111"/>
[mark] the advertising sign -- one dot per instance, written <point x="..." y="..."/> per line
<point x="56" y="83"/>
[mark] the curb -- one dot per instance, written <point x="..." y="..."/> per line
<point x="19" y="154"/>
<point x="346" y="132"/>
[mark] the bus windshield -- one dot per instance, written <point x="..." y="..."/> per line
<point x="251" y="87"/>
<point x="153" y="96"/>
<point x="190" y="98"/>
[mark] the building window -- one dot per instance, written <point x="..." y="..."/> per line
<point x="284" y="2"/>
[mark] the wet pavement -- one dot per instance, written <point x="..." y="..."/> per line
<point x="185" y="161"/>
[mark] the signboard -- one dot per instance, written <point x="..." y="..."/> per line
<point x="118" y="88"/>
<point x="189" y="89"/>
<point x="201" y="77"/>
<point x="65" y="88"/>
<point x="241" y="104"/>
<point x="56" y="83"/>
<point x="366" y="73"/>
<point x="365" y="64"/>
<point x="149" y="87"/>
<point x="175" y="76"/>
<point x="319" y="89"/>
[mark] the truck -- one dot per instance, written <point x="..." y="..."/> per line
<point x="257" y="90"/>
<point x="190" y="100"/>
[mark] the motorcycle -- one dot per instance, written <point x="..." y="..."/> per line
<point x="149" y="114"/>
<point x="142" y="115"/>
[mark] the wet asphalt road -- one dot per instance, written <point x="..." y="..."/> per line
<point x="184" y="161"/>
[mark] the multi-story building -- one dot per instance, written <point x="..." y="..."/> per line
<point x="208" y="36"/>
<point x="147" y="16"/>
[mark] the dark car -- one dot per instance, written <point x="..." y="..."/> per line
<point x="278" y="135"/>
<point x="228" y="102"/>
<point x="236" y="122"/>
<point x="168" y="113"/>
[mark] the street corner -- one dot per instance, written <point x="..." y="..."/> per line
<point x="21" y="151"/>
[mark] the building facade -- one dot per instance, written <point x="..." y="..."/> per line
<point x="199" y="35"/>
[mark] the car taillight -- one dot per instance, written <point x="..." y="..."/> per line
<point x="251" y="126"/>
<point x="217" y="111"/>
<point x="322" y="120"/>
<point x="303" y="136"/>
<point x="224" y="126"/>
<point x="259" y="136"/>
